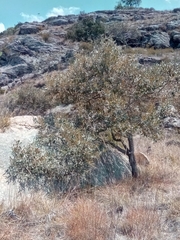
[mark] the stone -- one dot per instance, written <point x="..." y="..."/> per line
<point x="175" y="39"/>
<point x="173" y="25"/>
<point x="156" y="40"/>
<point x="17" y="70"/>
<point x="172" y="122"/>
<point x="110" y="168"/>
<point x="28" y="28"/>
<point x="150" y="60"/>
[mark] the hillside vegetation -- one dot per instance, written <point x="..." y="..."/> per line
<point x="100" y="111"/>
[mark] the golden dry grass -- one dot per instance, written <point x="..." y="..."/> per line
<point x="145" y="208"/>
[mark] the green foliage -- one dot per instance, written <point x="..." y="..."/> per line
<point x="58" y="160"/>
<point x="86" y="29"/>
<point x="111" y="91"/>
<point x="127" y="3"/>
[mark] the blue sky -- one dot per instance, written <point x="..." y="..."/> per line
<point x="14" y="11"/>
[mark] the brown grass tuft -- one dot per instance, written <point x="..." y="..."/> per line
<point x="86" y="220"/>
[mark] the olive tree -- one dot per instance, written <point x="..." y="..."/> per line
<point x="115" y="98"/>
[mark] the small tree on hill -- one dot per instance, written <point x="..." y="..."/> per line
<point x="127" y="3"/>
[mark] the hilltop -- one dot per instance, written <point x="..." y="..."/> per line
<point x="29" y="50"/>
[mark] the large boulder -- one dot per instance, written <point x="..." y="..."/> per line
<point x="110" y="168"/>
<point x="156" y="40"/>
<point x="175" y="39"/>
<point x="30" y="28"/>
<point x="61" y="20"/>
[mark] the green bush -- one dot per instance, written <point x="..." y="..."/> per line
<point x="86" y="29"/>
<point x="58" y="160"/>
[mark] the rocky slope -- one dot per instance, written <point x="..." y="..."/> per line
<point x="30" y="49"/>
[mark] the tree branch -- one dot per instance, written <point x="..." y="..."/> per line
<point x="117" y="147"/>
<point x="120" y="140"/>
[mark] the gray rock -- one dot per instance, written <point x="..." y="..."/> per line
<point x="119" y="17"/>
<point x="12" y="60"/>
<point x="151" y="27"/>
<point x="150" y="60"/>
<point x="30" y="28"/>
<point x="110" y="168"/>
<point x="175" y="39"/>
<point x="61" y="20"/>
<point x="172" y="122"/>
<point x="17" y="70"/>
<point x="173" y="25"/>
<point x="156" y="40"/>
<point x="4" y="79"/>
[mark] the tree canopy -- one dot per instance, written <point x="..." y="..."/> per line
<point x="127" y="3"/>
<point x="114" y="96"/>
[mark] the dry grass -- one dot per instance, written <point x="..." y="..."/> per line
<point x="141" y="223"/>
<point x="4" y="121"/>
<point x="86" y="220"/>
<point x="145" y="208"/>
<point x="4" y="115"/>
<point x="27" y="100"/>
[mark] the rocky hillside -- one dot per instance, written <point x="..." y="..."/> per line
<point x="31" y="49"/>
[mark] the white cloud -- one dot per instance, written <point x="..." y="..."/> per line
<point x="62" y="11"/>
<point x="171" y="1"/>
<point x="31" y="18"/>
<point x="2" y="27"/>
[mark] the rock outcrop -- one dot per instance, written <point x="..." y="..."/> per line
<point x="30" y="49"/>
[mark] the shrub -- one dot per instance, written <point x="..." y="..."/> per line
<point x="58" y="160"/>
<point x="86" y="29"/>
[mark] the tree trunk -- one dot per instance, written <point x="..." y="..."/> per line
<point x="131" y="157"/>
